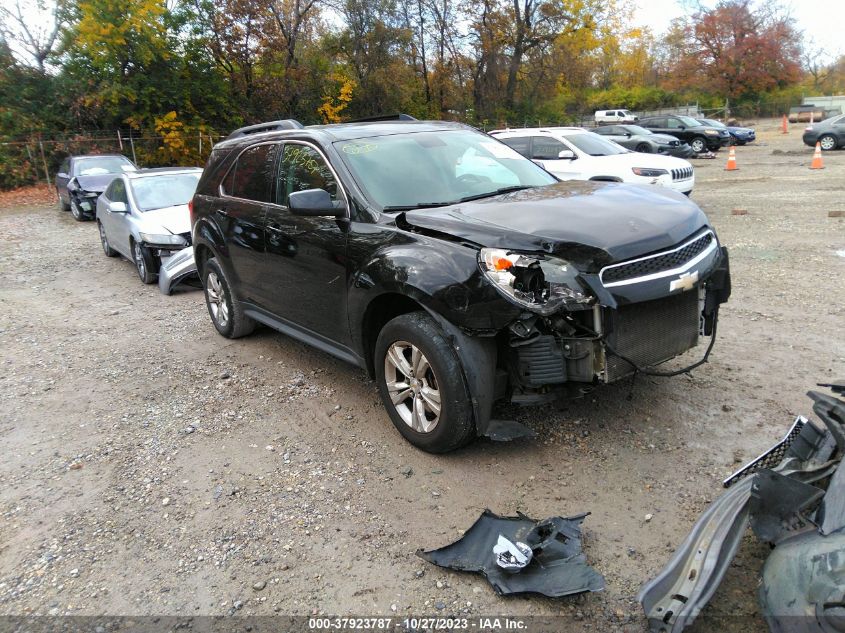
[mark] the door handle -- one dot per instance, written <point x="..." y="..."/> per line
<point x="224" y="212"/>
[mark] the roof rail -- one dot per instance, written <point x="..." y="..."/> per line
<point x="270" y="126"/>
<point x="385" y="117"/>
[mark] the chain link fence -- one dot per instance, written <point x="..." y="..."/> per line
<point x="37" y="159"/>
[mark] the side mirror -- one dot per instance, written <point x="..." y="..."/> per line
<point x="627" y="135"/>
<point x="314" y="202"/>
<point x="118" y="207"/>
<point x="566" y="154"/>
<point x="682" y="127"/>
<point x="61" y="174"/>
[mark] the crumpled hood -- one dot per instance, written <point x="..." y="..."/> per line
<point x="175" y="219"/>
<point x="591" y="224"/>
<point x="97" y="183"/>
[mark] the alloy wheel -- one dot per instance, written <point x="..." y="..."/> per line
<point x="217" y="299"/>
<point x="412" y="386"/>
<point x="827" y="143"/>
<point x="75" y="211"/>
<point x="103" y="239"/>
<point x="139" y="261"/>
<point x="698" y="145"/>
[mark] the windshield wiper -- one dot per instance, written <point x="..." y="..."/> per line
<point x="500" y="191"/>
<point x="418" y="205"/>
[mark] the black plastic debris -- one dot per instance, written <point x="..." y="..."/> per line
<point x="557" y="567"/>
<point x="508" y="430"/>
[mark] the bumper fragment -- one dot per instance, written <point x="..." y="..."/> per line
<point x="782" y="505"/>
<point x="175" y="269"/>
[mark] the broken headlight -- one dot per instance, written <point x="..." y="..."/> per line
<point x="541" y="284"/>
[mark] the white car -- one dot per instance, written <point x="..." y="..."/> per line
<point x="573" y="153"/>
<point x="144" y="216"/>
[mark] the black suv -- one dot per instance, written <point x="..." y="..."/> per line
<point x="700" y="137"/>
<point x="452" y="269"/>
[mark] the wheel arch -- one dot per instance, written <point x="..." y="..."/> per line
<point x="606" y="179"/>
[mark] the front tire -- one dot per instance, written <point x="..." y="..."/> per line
<point x="643" y="148"/>
<point x="827" y="142"/>
<point x="699" y="144"/>
<point x="421" y="383"/>
<point x="104" y="240"/>
<point x="145" y="263"/>
<point x="76" y="211"/>
<point x="225" y="310"/>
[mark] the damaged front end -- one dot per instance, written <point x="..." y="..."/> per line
<point x="793" y="497"/>
<point x="83" y="192"/>
<point x="579" y="327"/>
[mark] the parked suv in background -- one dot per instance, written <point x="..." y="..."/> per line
<point x="455" y="271"/>
<point x="700" y="137"/>
<point x="639" y="139"/>
<point x="572" y="153"/>
<point x="739" y="135"/>
<point x="829" y="134"/>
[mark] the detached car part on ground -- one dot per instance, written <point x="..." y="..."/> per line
<point x="144" y="217"/>
<point x="81" y="179"/>
<point x="452" y="269"/>
<point x="793" y="496"/>
<point x="521" y="555"/>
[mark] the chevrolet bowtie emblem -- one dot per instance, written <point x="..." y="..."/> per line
<point x="686" y="281"/>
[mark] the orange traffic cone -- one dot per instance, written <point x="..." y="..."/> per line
<point x="817" y="158"/>
<point x="731" y="166"/>
<point x="783" y="126"/>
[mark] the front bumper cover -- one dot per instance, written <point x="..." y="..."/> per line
<point x="777" y="502"/>
<point x="175" y="269"/>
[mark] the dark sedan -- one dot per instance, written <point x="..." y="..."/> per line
<point x="739" y="135"/>
<point x="640" y="139"/>
<point x="81" y="180"/>
<point x="829" y="134"/>
<point x="700" y="137"/>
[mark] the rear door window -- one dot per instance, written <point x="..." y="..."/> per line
<point x="251" y="178"/>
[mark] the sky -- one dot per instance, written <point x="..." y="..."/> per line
<point x="821" y="21"/>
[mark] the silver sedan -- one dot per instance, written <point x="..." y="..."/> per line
<point x="144" y="217"/>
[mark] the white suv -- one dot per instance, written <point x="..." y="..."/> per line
<point x="573" y="153"/>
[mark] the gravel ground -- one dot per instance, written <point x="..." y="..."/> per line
<point x="154" y="468"/>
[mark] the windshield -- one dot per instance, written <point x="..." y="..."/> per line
<point x="166" y="190"/>
<point x="102" y="165"/>
<point x="636" y="129"/>
<point x="595" y="145"/>
<point x="423" y="169"/>
<point x="689" y="121"/>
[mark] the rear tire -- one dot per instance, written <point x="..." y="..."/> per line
<point x="104" y="240"/>
<point x="64" y="206"/>
<point x="420" y="380"/>
<point x="225" y="310"/>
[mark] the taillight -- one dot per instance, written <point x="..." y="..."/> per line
<point x="191" y="211"/>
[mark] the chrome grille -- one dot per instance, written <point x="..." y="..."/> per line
<point x="651" y="332"/>
<point x="658" y="263"/>
<point x="682" y="174"/>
